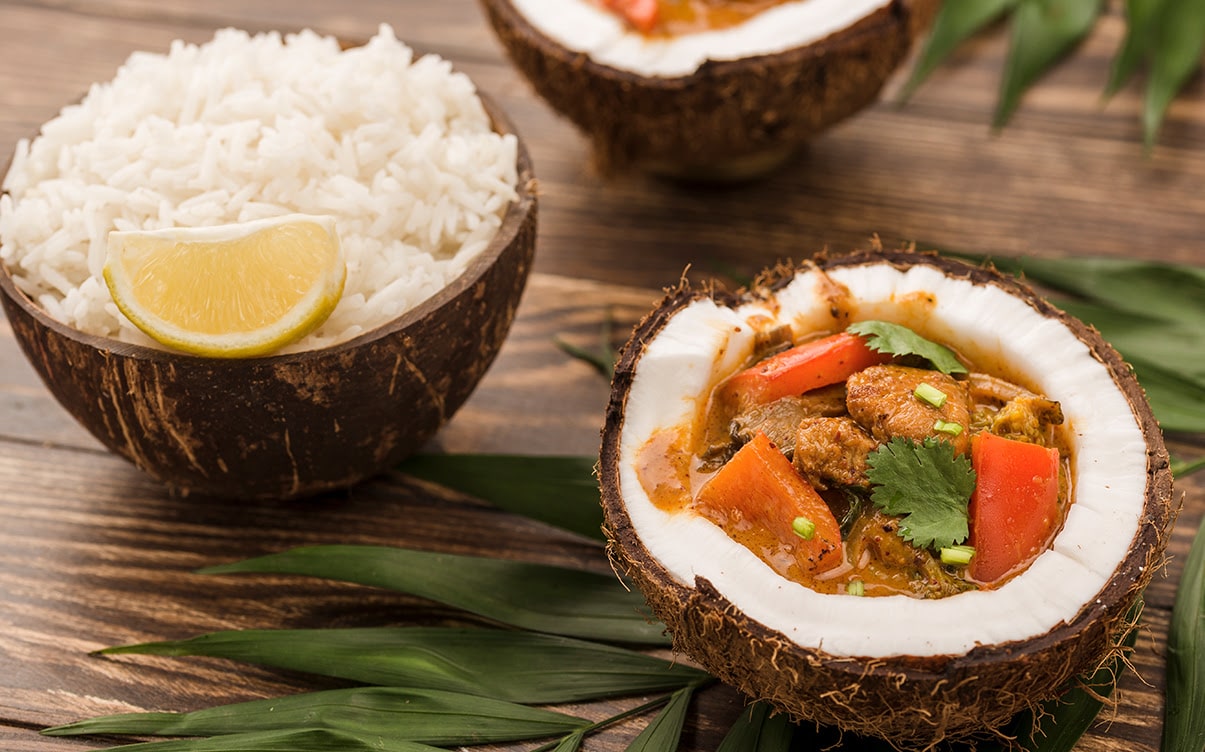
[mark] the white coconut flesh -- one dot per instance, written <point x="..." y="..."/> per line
<point x="583" y="26"/>
<point x="703" y="341"/>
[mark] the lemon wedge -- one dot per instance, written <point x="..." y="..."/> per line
<point x="236" y="290"/>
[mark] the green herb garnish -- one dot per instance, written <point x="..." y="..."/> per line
<point x="957" y="555"/>
<point x="855" y="587"/>
<point x="803" y="527"/>
<point x="930" y="395"/>
<point x="886" y="337"/>
<point x="945" y="426"/>
<point x="926" y="483"/>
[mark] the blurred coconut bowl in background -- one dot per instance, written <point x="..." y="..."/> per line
<point x="724" y="103"/>
<point x="305" y="420"/>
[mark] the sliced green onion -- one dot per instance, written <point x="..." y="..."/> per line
<point x="930" y="394"/>
<point x="803" y="527"/>
<point x="946" y="427"/>
<point x="957" y="554"/>
<point x="856" y="587"/>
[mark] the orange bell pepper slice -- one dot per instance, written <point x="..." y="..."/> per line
<point x="757" y="496"/>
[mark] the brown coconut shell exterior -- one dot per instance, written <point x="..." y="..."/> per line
<point x="728" y="119"/>
<point x="913" y="702"/>
<point x="299" y="424"/>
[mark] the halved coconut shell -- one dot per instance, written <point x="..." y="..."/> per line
<point x="729" y="118"/>
<point x="909" y="670"/>
<point x="298" y="424"/>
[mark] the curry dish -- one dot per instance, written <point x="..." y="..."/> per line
<point x="790" y="457"/>
<point x="676" y="17"/>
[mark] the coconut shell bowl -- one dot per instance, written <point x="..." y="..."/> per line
<point x="732" y="116"/>
<point x="915" y="671"/>
<point x="296" y="424"/>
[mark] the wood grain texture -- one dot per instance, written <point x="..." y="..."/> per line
<point x="93" y="553"/>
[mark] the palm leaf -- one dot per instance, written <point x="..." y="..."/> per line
<point x="1179" y="39"/>
<point x="536" y="597"/>
<point x="420" y="715"/>
<point x="1141" y="18"/>
<point x="299" y="740"/>
<point x="1166" y="291"/>
<point x="1043" y="31"/>
<point x="1184" y="714"/>
<point x="558" y="490"/>
<point x="525" y="667"/>
<point x="665" y="729"/>
<point x="1174" y="346"/>
<point x="759" y="729"/>
<point x="1184" y="468"/>
<point x="1168" y="34"/>
<point x="1178" y="404"/>
<point x="603" y="356"/>
<point x="955" y="23"/>
<point x="571" y="743"/>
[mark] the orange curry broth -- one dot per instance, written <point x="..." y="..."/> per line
<point x="671" y="471"/>
<point x="677" y="17"/>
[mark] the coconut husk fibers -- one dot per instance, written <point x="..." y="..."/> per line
<point x="728" y="119"/>
<point x="913" y="702"/>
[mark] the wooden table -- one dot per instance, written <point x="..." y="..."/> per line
<point x="93" y="553"/>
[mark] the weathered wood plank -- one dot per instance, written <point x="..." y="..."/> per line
<point x="93" y="553"/>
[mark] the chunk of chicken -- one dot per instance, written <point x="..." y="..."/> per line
<point x="883" y="400"/>
<point x="780" y="419"/>
<point x="832" y="452"/>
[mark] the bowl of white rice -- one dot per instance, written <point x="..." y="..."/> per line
<point x="434" y="201"/>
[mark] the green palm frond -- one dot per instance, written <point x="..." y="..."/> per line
<point x="1165" y="36"/>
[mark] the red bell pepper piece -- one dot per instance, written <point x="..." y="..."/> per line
<point x="1015" y="507"/>
<point x="757" y="496"/>
<point x="641" y="14"/>
<point x="814" y="364"/>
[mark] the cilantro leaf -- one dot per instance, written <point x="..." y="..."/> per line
<point x="886" y="337"/>
<point x="928" y="484"/>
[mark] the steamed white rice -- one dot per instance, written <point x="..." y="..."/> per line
<point x="398" y="149"/>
